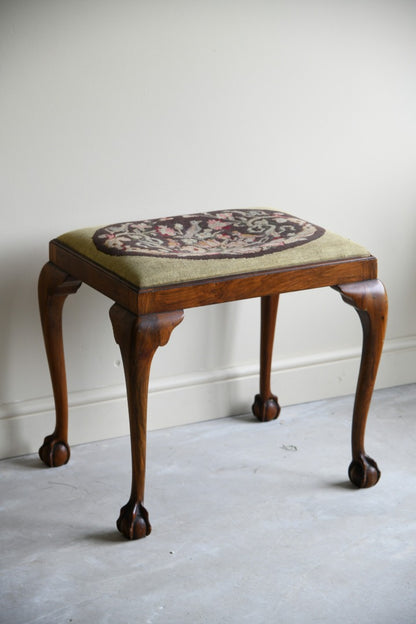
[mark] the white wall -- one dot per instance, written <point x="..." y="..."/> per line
<point x="112" y="111"/>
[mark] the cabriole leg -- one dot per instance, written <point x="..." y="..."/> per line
<point x="266" y="406"/>
<point x="138" y="338"/>
<point x="370" y="300"/>
<point x="53" y="288"/>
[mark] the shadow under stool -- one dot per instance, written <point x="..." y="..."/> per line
<point x="154" y="269"/>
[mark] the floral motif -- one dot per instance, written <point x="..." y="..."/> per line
<point x="211" y="235"/>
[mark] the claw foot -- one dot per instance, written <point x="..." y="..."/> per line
<point x="266" y="409"/>
<point x="54" y="452"/>
<point x="133" y="522"/>
<point x="364" y="473"/>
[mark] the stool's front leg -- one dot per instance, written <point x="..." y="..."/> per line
<point x="53" y="288"/>
<point x="266" y="406"/>
<point x="138" y="338"/>
<point x="370" y="300"/>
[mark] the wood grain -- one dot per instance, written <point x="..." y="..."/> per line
<point x="370" y="300"/>
<point x="138" y="338"/>
<point x="53" y="288"/>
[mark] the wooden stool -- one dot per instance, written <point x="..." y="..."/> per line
<point x="154" y="269"/>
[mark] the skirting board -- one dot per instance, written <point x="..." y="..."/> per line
<point x="102" y="413"/>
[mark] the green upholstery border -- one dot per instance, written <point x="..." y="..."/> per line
<point x="147" y="272"/>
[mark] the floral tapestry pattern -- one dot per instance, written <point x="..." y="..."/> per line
<point x="210" y="235"/>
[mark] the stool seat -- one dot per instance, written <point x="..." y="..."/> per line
<point x="154" y="269"/>
<point x="203" y="246"/>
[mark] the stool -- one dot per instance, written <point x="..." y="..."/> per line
<point x="154" y="269"/>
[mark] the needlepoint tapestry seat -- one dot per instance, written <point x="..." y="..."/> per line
<point x="170" y="250"/>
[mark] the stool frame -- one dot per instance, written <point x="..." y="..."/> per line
<point x="144" y="318"/>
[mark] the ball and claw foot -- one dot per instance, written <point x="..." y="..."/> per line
<point x="265" y="410"/>
<point x="54" y="452"/>
<point x="364" y="473"/>
<point x="133" y="521"/>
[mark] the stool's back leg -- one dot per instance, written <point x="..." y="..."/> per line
<point x="53" y="288"/>
<point x="138" y="338"/>
<point x="370" y="300"/>
<point x="266" y="406"/>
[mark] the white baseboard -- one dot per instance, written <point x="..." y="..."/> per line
<point x="102" y="413"/>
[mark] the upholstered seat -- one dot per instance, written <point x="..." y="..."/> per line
<point x="154" y="269"/>
<point x="152" y="252"/>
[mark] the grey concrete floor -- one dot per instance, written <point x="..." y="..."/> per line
<point x="251" y="523"/>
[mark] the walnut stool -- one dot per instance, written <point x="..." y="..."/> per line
<point x="154" y="269"/>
